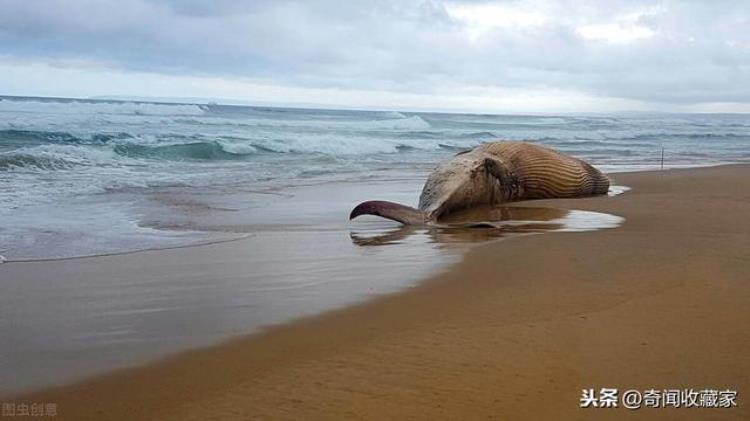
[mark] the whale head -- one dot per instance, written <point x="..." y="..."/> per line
<point x="470" y="178"/>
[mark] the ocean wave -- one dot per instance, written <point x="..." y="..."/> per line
<point x="446" y="135"/>
<point x="656" y="136"/>
<point x="52" y="150"/>
<point x="24" y="137"/>
<point x="614" y="153"/>
<point x="398" y="124"/>
<point x="99" y="107"/>
<point x="485" y="135"/>
<point x="204" y="151"/>
<point x="53" y="157"/>
<point x="16" y="161"/>
<point x="414" y="122"/>
<point x="420" y="134"/>
<point x="30" y="145"/>
<point x="392" y="114"/>
<point x="561" y="142"/>
<point x="315" y="173"/>
<point x="58" y="150"/>
<point x="507" y="121"/>
<point x="452" y="148"/>
<point x="630" y="139"/>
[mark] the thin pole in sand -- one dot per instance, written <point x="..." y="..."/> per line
<point x="662" y="157"/>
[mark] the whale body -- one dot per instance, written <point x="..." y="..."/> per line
<point x="490" y="174"/>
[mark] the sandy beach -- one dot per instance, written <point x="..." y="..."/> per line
<point x="515" y="330"/>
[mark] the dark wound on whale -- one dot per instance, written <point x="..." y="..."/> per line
<point x="494" y="173"/>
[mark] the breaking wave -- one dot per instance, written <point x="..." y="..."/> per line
<point x="194" y="151"/>
<point x="23" y="160"/>
<point x="54" y="157"/>
<point x="98" y="107"/>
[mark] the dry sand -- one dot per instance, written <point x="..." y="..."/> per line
<point x="515" y="331"/>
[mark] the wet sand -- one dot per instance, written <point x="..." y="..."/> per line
<point x="69" y="319"/>
<point x="513" y="331"/>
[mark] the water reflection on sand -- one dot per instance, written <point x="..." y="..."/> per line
<point x="487" y="223"/>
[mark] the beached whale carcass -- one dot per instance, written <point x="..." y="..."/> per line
<point x="494" y="173"/>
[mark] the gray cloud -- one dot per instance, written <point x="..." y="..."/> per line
<point x="657" y="51"/>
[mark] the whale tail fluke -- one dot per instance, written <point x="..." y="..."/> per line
<point x="390" y="210"/>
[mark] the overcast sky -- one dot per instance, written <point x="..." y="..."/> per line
<point x="501" y="56"/>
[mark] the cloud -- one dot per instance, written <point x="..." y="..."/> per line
<point x="663" y="53"/>
<point x="623" y="29"/>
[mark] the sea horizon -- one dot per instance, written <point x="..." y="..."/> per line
<point x="167" y="100"/>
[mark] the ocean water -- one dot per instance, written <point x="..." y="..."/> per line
<point x="265" y="193"/>
<point x="80" y="177"/>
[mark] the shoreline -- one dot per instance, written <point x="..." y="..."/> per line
<point x="444" y="344"/>
<point x="146" y="218"/>
<point x="207" y="235"/>
<point x="198" y="243"/>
